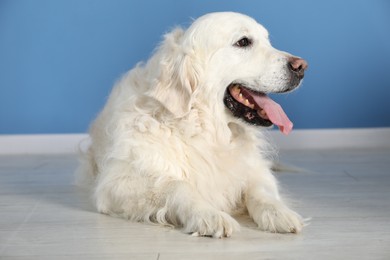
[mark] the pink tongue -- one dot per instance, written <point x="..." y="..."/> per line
<point x="274" y="112"/>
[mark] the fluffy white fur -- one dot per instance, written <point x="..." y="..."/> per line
<point x="166" y="150"/>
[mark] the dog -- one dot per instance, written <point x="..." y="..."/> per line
<point x="180" y="141"/>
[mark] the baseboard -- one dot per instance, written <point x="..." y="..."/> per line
<point x="333" y="138"/>
<point x="42" y="144"/>
<point x="298" y="139"/>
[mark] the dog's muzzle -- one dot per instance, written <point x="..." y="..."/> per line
<point x="256" y="108"/>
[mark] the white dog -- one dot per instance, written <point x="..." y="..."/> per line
<point x="178" y="142"/>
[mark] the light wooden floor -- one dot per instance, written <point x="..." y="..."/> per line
<point x="346" y="193"/>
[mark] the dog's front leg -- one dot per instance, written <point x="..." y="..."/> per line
<point x="185" y="206"/>
<point x="266" y="207"/>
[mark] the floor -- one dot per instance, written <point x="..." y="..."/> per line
<point x="345" y="192"/>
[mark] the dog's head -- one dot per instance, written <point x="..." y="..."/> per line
<point x="228" y="58"/>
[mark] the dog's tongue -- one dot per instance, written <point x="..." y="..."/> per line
<point x="274" y="113"/>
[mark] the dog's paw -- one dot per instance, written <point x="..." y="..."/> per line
<point x="278" y="218"/>
<point x="212" y="223"/>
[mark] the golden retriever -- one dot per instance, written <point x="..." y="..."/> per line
<point x="180" y="141"/>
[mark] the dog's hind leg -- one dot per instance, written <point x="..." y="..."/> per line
<point x="167" y="202"/>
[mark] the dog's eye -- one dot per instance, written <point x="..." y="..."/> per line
<point x="243" y="42"/>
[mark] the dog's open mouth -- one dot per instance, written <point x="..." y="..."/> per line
<point x="256" y="108"/>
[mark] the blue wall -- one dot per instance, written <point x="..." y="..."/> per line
<point x="59" y="59"/>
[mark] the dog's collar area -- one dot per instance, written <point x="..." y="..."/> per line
<point x="255" y="108"/>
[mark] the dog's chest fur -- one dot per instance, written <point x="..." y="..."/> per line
<point x="216" y="159"/>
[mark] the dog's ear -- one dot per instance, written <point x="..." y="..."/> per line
<point x="177" y="75"/>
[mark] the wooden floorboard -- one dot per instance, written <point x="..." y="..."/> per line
<point x="346" y="193"/>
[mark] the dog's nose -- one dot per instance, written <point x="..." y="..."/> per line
<point x="297" y="66"/>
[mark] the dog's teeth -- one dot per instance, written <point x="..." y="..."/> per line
<point x="249" y="104"/>
<point x="240" y="96"/>
<point x="263" y="114"/>
<point x="236" y="89"/>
